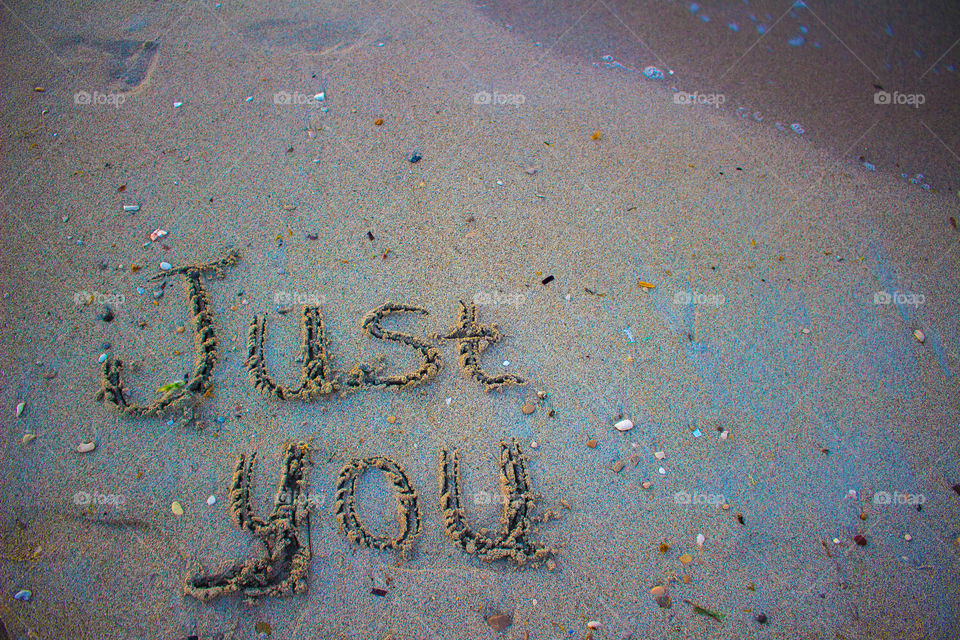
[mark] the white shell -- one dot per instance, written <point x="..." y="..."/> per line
<point x="624" y="425"/>
<point x="20" y="406"/>
<point x="660" y="455"/>
<point x="212" y="500"/>
<point x="86" y="447"/>
<point x="700" y="539"/>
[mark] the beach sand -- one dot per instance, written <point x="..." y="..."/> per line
<point x="771" y="255"/>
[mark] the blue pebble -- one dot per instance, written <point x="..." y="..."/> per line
<point x="889" y="30"/>
<point x="705" y="18"/>
<point x="23" y="595"/>
<point x="803" y="29"/>
<point x="796" y="42"/>
<point x="694" y="7"/>
<point x="761" y="29"/>
<point x="221" y="419"/>
<point x="696" y="433"/>
<point x="141" y="290"/>
<point x="734" y="27"/>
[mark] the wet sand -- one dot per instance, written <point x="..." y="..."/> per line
<point x="770" y="254"/>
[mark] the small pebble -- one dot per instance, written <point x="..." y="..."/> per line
<point x="23" y="595"/>
<point x="686" y="579"/>
<point x="176" y="508"/>
<point x="908" y="537"/>
<point x="700" y="539"/>
<point x="86" y="447"/>
<point x="646" y="484"/>
<point x="652" y="73"/>
<point x="658" y="591"/>
<point x="533" y="444"/>
<point x="391" y="419"/>
<point x="860" y="540"/>
<point x="102" y="358"/>
<point x="212" y="500"/>
<point x="624" y="425"/>
<point x="592" y="443"/>
<point x="593" y="624"/>
<point x="660" y="455"/>
<point x="500" y="621"/>
<point x="177" y="105"/>
<point x="528" y="409"/>
<point x="686" y="558"/>
<point x="20" y="406"/>
<point x="416" y="157"/>
<point x="805" y="330"/>
<point x="761" y="618"/>
<point x="166" y="266"/>
<point x="131" y="208"/>
<point x="28" y="438"/>
<point x="919" y="335"/>
<point x="320" y="97"/>
<point x="662" y="471"/>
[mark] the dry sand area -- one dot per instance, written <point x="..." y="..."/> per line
<point x="778" y="324"/>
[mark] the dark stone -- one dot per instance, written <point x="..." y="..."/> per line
<point x="762" y="618"/>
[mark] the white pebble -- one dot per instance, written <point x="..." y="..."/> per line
<point x="212" y="500"/>
<point x="919" y="335"/>
<point x="533" y="444"/>
<point x="176" y="508"/>
<point x="131" y="208"/>
<point x="724" y="434"/>
<point x="908" y="537"/>
<point x="700" y="539"/>
<point x="320" y="97"/>
<point x="660" y="455"/>
<point x="806" y="330"/>
<point x="20" y="406"/>
<point x="624" y="425"/>
<point x="166" y="266"/>
<point x="102" y="358"/>
<point x="177" y="105"/>
<point x="593" y="624"/>
<point x="86" y="447"/>
<point x="662" y="471"/>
